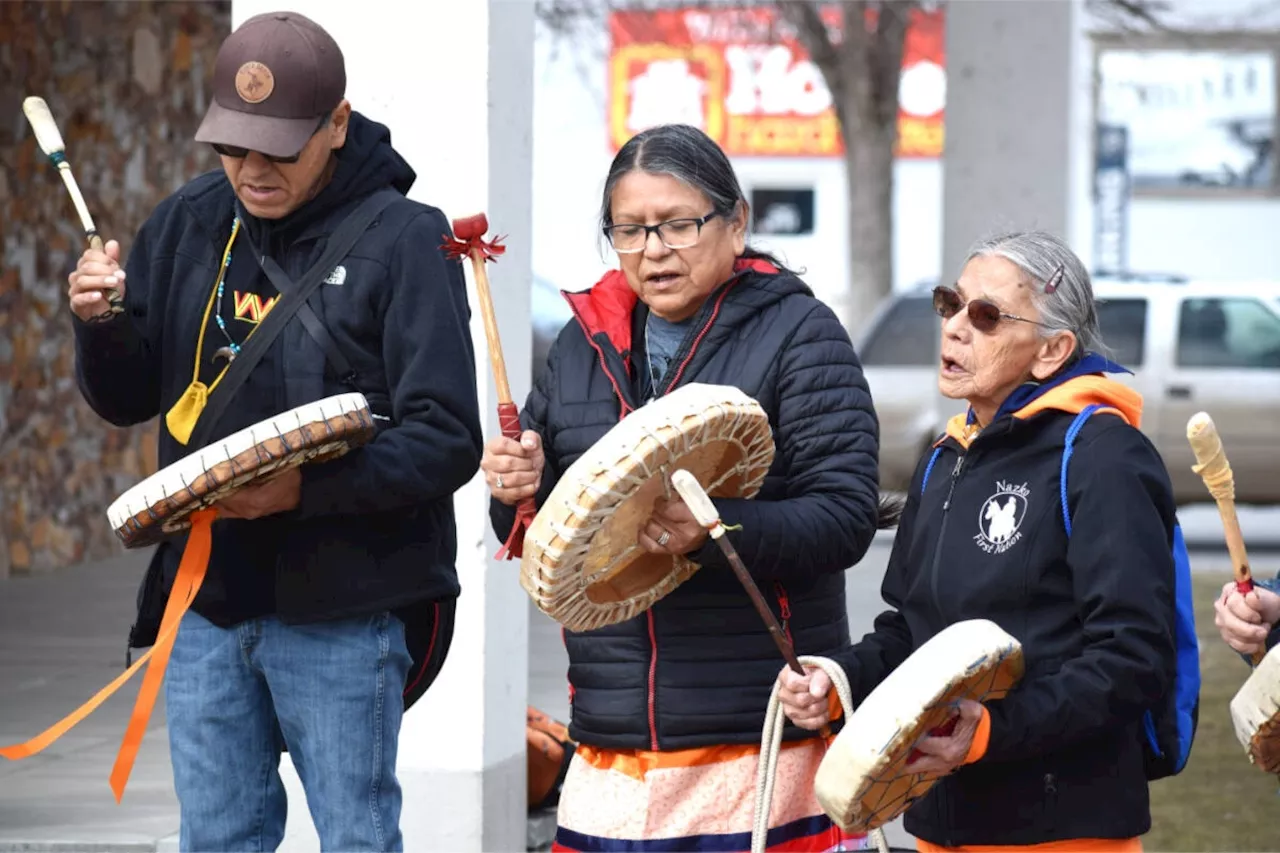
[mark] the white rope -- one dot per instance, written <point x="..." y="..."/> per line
<point x="771" y="742"/>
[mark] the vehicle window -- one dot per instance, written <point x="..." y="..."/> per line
<point x="1231" y="332"/>
<point x="906" y="336"/>
<point x="1124" y="329"/>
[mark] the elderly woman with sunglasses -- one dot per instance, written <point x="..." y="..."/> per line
<point x="668" y="707"/>
<point x="1058" y="763"/>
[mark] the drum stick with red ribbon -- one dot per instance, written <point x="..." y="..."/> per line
<point x="50" y="141"/>
<point x="468" y="241"/>
<point x="1215" y="470"/>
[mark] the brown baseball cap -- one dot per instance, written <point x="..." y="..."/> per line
<point x="273" y="80"/>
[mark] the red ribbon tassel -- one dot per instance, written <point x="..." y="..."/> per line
<point x="526" y="510"/>
<point x="468" y="235"/>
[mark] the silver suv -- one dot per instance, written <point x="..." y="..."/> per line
<point x="1192" y="345"/>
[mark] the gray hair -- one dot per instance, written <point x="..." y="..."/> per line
<point x="1071" y="307"/>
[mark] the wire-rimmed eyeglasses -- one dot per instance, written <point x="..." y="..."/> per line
<point x="984" y="315"/>
<point x="628" y="238"/>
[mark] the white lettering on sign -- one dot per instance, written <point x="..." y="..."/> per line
<point x="666" y="92"/>
<point x="1110" y="210"/>
<point x="767" y="79"/>
<point x="922" y="90"/>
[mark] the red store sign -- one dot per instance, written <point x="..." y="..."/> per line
<point x="740" y="75"/>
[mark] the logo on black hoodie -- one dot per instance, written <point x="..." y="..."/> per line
<point x="1001" y="516"/>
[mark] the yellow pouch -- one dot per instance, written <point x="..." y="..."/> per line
<point x="181" y="419"/>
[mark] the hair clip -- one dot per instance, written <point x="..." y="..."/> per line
<point x="1054" y="280"/>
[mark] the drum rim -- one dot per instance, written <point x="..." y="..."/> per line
<point x="951" y="648"/>
<point x="1255" y="728"/>
<point x="539" y="577"/>
<point x="118" y="514"/>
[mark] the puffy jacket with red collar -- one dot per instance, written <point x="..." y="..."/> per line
<point x="983" y="537"/>
<point x="698" y="667"/>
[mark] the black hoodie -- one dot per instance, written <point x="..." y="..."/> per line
<point x="375" y="529"/>
<point x="983" y="536"/>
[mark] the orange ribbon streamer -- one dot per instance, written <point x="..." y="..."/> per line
<point x="191" y="572"/>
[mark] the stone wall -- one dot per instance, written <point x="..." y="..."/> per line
<point x="127" y="83"/>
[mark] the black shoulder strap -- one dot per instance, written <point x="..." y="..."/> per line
<point x="340" y="243"/>
<point x="309" y="319"/>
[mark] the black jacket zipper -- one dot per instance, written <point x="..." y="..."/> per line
<point x="940" y="801"/>
<point x="942" y="531"/>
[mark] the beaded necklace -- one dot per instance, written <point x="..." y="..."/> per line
<point x="222" y="276"/>
<point x="232" y="349"/>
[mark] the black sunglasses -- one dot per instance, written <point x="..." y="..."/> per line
<point x="240" y="153"/>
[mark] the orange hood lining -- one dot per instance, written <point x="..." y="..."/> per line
<point x="1072" y="397"/>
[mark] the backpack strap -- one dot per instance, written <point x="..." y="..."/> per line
<point x="1072" y="432"/>
<point x="937" y="451"/>
<point x="1182" y="710"/>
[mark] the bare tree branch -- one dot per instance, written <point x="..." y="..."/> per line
<point x="884" y="58"/>
<point x="563" y="17"/>
<point x="811" y="32"/>
<point x="1131" y="15"/>
<point x="855" y="48"/>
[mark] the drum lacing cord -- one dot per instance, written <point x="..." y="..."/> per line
<point x="771" y="744"/>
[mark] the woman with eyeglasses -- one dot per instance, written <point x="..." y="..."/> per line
<point x="668" y="707"/>
<point x="1073" y="554"/>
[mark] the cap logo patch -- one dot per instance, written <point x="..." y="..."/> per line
<point x="254" y="82"/>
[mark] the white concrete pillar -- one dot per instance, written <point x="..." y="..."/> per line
<point x="1014" y="135"/>
<point x="454" y="83"/>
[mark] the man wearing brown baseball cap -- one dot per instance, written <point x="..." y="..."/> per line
<point x="327" y="607"/>
<point x="274" y="79"/>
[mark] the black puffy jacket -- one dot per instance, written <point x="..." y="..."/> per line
<point x="697" y="668"/>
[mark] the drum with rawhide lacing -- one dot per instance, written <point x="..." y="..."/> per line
<point x="582" y="564"/>
<point x="160" y="505"/>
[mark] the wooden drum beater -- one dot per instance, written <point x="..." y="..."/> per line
<point x="1215" y="470"/>
<point x="50" y="141"/>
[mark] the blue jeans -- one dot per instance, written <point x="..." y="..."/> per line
<point x="331" y="691"/>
